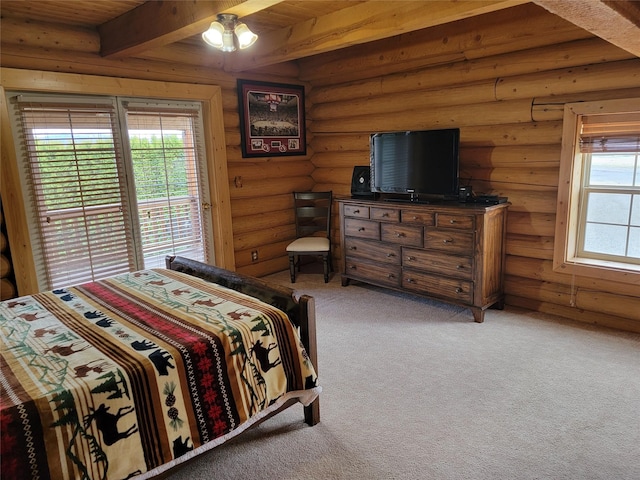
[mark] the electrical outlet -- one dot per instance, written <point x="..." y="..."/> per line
<point x="254" y="256"/>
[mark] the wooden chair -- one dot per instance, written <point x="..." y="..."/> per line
<point x="313" y="230"/>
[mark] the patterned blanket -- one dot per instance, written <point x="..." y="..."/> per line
<point x="120" y="377"/>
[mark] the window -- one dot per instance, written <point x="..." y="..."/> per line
<point x="598" y="219"/>
<point x="113" y="185"/>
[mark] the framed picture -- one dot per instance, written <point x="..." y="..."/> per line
<point x="271" y="119"/>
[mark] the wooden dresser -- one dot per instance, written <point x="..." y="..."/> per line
<point x="448" y="251"/>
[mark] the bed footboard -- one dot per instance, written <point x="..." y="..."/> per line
<point x="300" y="310"/>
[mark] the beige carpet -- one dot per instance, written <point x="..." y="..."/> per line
<point x="414" y="389"/>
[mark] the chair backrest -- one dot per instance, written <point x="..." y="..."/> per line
<point x="313" y="213"/>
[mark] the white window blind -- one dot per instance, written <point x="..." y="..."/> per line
<point x="112" y="185"/>
<point x="165" y="148"/>
<point x="74" y="182"/>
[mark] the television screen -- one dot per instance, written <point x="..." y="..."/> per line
<point x="415" y="162"/>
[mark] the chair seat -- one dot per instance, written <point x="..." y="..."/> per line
<point x="309" y="244"/>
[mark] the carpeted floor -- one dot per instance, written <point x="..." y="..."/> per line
<point x="414" y="389"/>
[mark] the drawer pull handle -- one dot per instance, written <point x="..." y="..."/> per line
<point x="353" y="248"/>
<point x="452" y="221"/>
<point x="458" y="290"/>
<point x="459" y="267"/>
<point x="400" y="234"/>
<point x="385" y="214"/>
<point x="410" y="280"/>
<point x="361" y="229"/>
<point x="415" y="217"/>
<point x="447" y="241"/>
<point x="390" y="255"/>
<point x="352" y="267"/>
<point x="391" y="275"/>
<point x="356" y="211"/>
<point x="410" y="258"/>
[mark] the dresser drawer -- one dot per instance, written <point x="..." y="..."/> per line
<point x="361" y="228"/>
<point x="460" y="291"/>
<point x="386" y="214"/>
<point x="461" y="222"/>
<point x="436" y="262"/>
<point x="401" y="234"/>
<point x="373" y="250"/>
<point x="416" y="216"/>
<point x="449" y="241"/>
<point x="357" y="211"/>
<point x="381" y="274"/>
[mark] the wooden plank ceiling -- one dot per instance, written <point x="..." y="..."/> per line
<point x="290" y="30"/>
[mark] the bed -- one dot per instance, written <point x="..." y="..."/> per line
<point x="131" y="376"/>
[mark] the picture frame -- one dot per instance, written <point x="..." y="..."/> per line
<point x="272" y="120"/>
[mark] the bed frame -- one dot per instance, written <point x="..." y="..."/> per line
<point x="301" y="310"/>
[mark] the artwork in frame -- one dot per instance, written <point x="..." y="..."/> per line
<point x="272" y="119"/>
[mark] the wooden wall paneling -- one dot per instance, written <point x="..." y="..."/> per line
<point x="498" y="33"/>
<point x="532" y="156"/>
<point x="529" y="133"/>
<point x="531" y="223"/>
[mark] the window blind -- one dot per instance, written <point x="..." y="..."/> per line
<point x="610" y="133"/>
<point x="73" y="174"/>
<point x="165" y="144"/>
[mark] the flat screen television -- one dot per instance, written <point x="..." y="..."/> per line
<point x="418" y="162"/>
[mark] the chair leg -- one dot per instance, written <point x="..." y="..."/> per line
<point x="326" y="268"/>
<point x="292" y="268"/>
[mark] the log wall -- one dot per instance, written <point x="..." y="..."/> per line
<point x="509" y="107"/>
<point x="502" y="78"/>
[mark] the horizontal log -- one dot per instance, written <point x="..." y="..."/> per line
<point x="552" y="108"/>
<point x="494" y="113"/>
<point x="253" y="223"/>
<point x="3" y="242"/>
<point x="265" y="253"/>
<point x="539" y="133"/>
<point x="529" y="60"/>
<point x="257" y="188"/>
<point x="337" y="175"/>
<point x="7" y="289"/>
<point x="338" y="189"/>
<point x="341" y="159"/>
<point x="514" y="177"/>
<point x="543" y="270"/>
<point x="234" y="155"/>
<point x="90" y="64"/>
<point x="532" y="156"/>
<point x="47" y="36"/>
<point x="537" y="289"/>
<point x="5" y="267"/>
<point x="336" y="142"/>
<point x="586" y="78"/>
<point x="262" y="269"/>
<point x="626" y="306"/>
<point x="531" y="223"/>
<point x="523" y="198"/>
<point x="530" y="246"/>
<point x="407" y="101"/>
<point x="501" y="32"/>
<point x="261" y="205"/>
<point x="273" y="168"/>
<point x="575" y="314"/>
<point x="267" y="236"/>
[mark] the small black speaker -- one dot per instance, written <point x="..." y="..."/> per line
<point x="361" y="182"/>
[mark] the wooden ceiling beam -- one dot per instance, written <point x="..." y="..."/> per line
<point x="357" y="24"/>
<point x="155" y="24"/>
<point x="616" y="21"/>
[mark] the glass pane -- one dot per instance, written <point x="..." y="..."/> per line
<point x="608" y="208"/>
<point x="167" y="185"/>
<point x="634" y="242"/>
<point x="612" y="169"/>
<point x="607" y="239"/>
<point x="635" y="211"/>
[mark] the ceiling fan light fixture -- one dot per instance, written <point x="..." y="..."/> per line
<point x="221" y="33"/>
<point x="246" y="37"/>
<point x="213" y="36"/>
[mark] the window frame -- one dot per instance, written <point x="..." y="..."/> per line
<point x="53" y="82"/>
<point x="570" y="189"/>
